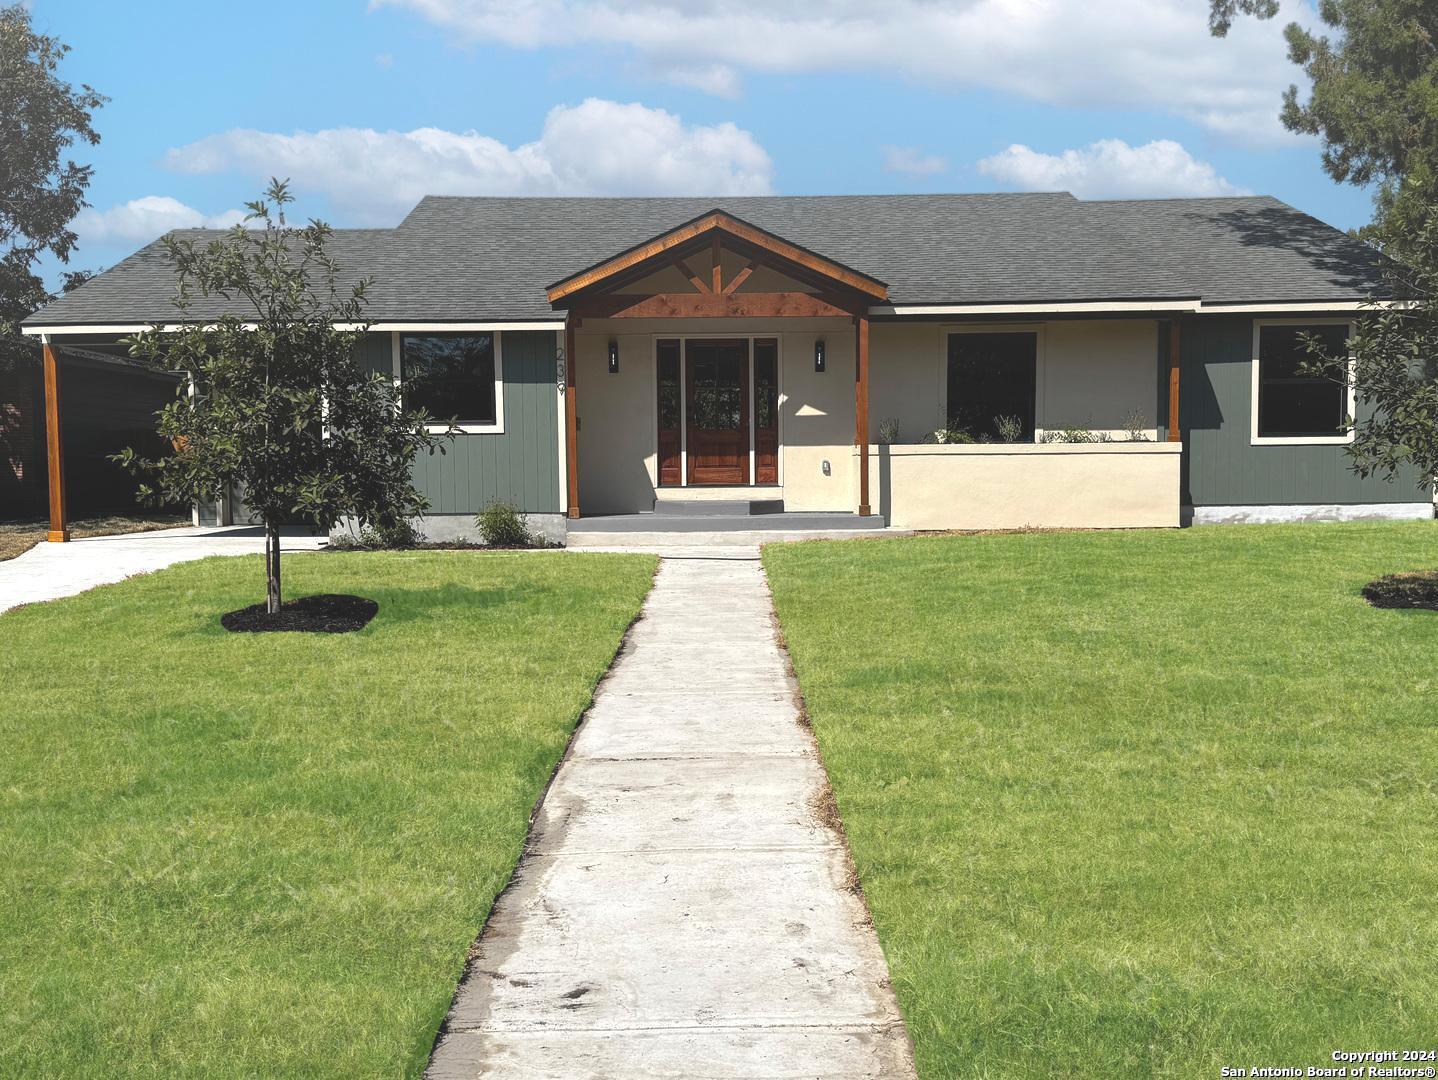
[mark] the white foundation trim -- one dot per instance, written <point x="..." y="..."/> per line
<point x="1304" y="512"/>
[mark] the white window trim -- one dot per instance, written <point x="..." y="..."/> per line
<point x="1040" y="364"/>
<point x="397" y="366"/>
<point x="1254" y="438"/>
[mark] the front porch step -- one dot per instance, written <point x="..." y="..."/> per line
<point x="719" y="501"/>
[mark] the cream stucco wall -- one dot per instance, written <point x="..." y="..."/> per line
<point x="617" y="423"/>
<point x="1045" y="485"/>
<point x="1099" y="374"/>
<point x="816" y="418"/>
<point x="907" y="376"/>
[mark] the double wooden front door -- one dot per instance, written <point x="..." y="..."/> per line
<point x="718" y="411"/>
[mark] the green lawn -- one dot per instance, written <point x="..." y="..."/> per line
<point x="1133" y="803"/>
<point x="267" y="855"/>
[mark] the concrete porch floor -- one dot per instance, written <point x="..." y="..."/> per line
<point x="720" y="530"/>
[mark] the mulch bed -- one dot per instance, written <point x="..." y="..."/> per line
<point x="328" y="613"/>
<point x="1413" y="590"/>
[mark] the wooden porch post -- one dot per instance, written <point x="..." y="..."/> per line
<point x="55" y="448"/>
<point x="1175" y="433"/>
<point x="571" y="418"/>
<point x="861" y="407"/>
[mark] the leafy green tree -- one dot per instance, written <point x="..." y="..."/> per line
<point x="1374" y="101"/>
<point x="41" y="116"/>
<point x="1391" y="364"/>
<point x="280" y="403"/>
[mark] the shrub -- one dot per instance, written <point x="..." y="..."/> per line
<point x="1136" y="424"/>
<point x="1009" y="428"/>
<point x="946" y="436"/>
<point x="395" y="537"/>
<point x="888" y="431"/>
<point x="502" y="525"/>
<point x="1071" y="435"/>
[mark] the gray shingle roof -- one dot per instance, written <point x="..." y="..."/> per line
<point x="462" y="258"/>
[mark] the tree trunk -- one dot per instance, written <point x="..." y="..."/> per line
<point x="272" y="568"/>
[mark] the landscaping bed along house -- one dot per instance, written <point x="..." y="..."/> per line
<point x="233" y="854"/>
<point x="1133" y="803"/>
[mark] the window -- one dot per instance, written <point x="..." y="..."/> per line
<point x="992" y="375"/>
<point x="452" y="376"/>
<point x="1289" y="402"/>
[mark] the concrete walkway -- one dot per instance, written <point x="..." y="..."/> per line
<point x="49" y="571"/>
<point x="683" y="910"/>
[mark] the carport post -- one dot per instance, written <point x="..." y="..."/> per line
<point x="54" y="446"/>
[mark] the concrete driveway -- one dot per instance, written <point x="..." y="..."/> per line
<point x="50" y="571"/>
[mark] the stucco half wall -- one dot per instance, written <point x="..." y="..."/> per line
<point x="1029" y="485"/>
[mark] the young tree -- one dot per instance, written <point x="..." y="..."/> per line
<point x="1373" y="101"/>
<point x="40" y="116"/>
<point x="279" y="401"/>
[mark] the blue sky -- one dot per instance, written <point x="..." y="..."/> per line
<point x="366" y="104"/>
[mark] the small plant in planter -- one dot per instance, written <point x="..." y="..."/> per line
<point x="1136" y="425"/>
<point x="888" y="431"/>
<point x="1071" y="435"/>
<point x="950" y="436"/>
<point x="1010" y="429"/>
<point x="502" y="525"/>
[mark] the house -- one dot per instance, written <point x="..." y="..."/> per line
<point x="926" y="361"/>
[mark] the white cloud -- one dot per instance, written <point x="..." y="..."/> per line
<point x="595" y="148"/>
<point x="1110" y="169"/>
<point x="1149" y="54"/>
<point x="142" y="220"/>
<point x="910" y="161"/>
<point x="384" y="60"/>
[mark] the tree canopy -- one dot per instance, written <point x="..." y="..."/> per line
<point x="41" y="190"/>
<point x="281" y="405"/>
<point x="1373" y="103"/>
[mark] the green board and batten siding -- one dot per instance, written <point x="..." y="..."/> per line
<point x="1221" y="466"/>
<point x="519" y="465"/>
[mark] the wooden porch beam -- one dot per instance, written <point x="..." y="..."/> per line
<point x="694" y="279"/>
<point x="713" y="305"/>
<point x="739" y="278"/>
<point x="861" y="407"/>
<point x="716" y="254"/>
<point x="571" y="421"/>
<point x="55" y="448"/>
<point x="1175" y="431"/>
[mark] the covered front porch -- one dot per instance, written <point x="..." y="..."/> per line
<point x="718" y="366"/>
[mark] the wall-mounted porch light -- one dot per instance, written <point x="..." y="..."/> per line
<point x="819" y="354"/>
<point x="614" y="358"/>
